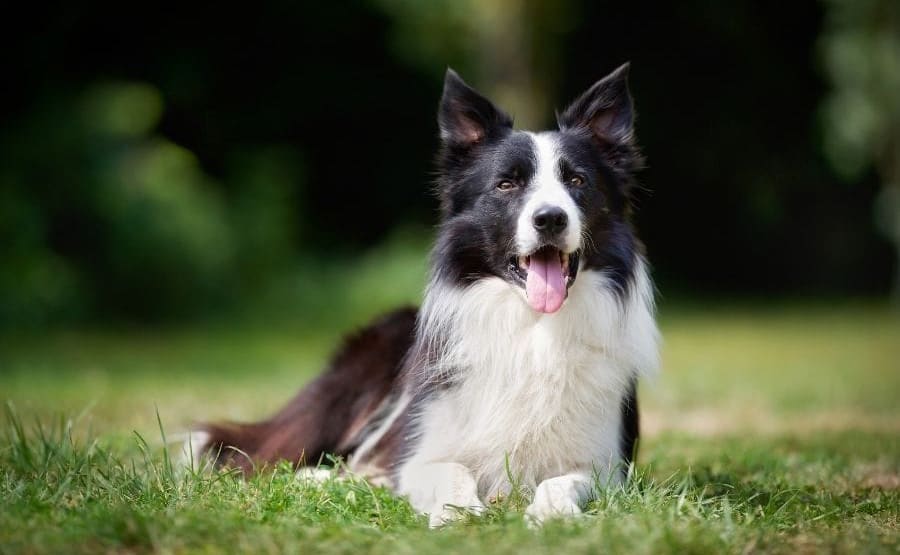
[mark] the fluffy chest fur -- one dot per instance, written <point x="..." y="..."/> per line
<point x="528" y="393"/>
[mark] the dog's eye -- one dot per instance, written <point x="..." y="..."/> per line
<point x="576" y="181"/>
<point x="506" y="185"/>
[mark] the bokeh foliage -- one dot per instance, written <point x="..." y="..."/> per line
<point x="167" y="167"/>
<point x="108" y="215"/>
<point x="861" y="52"/>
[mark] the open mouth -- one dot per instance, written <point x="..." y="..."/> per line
<point x="546" y="274"/>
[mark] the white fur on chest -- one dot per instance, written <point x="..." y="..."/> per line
<point x="540" y="392"/>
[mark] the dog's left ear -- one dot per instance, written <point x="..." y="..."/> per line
<point x="605" y="111"/>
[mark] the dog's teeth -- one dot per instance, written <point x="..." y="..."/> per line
<point x="523" y="262"/>
<point x="564" y="259"/>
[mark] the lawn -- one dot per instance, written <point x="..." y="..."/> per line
<point x="770" y="428"/>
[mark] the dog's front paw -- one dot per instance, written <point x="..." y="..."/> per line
<point x="553" y="499"/>
<point x="451" y="511"/>
<point x="445" y="491"/>
<point x="456" y="495"/>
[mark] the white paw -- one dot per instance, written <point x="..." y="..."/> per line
<point x="553" y="500"/>
<point x="445" y="491"/>
<point x="450" y="511"/>
<point x="454" y="496"/>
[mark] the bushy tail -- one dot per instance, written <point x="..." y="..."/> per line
<point x="330" y="415"/>
<point x="228" y="444"/>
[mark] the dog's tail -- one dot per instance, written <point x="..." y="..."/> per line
<point x="332" y="415"/>
<point x="228" y="444"/>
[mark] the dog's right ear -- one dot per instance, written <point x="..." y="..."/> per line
<point x="466" y="118"/>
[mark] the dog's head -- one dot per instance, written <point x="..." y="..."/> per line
<point x="534" y="208"/>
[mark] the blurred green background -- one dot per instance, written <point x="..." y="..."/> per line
<point x="181" y="164"/>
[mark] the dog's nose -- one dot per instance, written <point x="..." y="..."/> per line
<point x="550" y="219"/>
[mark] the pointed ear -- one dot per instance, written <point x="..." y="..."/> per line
<point x="466" y="118"/>
<point x="605" y="110"/>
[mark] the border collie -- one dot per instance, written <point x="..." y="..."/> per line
<point x="537" y="321"/>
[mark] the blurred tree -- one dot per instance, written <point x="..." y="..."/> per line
<point x="508" y="49"/>
<point x="860" y="48"/>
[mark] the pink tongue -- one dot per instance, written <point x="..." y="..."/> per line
<point x="545" y="286"/>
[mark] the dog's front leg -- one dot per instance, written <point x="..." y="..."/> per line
<point x="442" y="490"/>
<point x="559" y="497"/>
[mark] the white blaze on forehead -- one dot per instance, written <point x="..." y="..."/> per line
<point x="547" y="189"/>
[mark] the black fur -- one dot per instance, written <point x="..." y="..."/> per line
<point x="630" y="426"/>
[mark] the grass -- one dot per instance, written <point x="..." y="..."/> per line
<point x="770" y="429"/>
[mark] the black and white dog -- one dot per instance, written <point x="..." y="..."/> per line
<point x="538" y="319"/>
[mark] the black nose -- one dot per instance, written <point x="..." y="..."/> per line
<point x="550" y="219"/>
